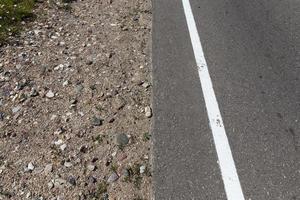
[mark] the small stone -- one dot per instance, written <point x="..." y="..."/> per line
<point x="58" y="142"/>
<point x="142" y="169"/>
<point x="68" y="164"/>
<point x="91" y="167"/>
<point x="30" y="166"/>
<point x="16" y="109"/>
<point x="50" y="185"/>
<point x="79" y="88"/>
<point x="48" y="168"/>
<point x="50" y="94"/>
<point x="63" y="147"/>
<point x="73" y="101"/>
<point x="113" y="177"/>
<point x="126" y="173"/>
<point x="96" y="121"/>
<point x="146" y="85"/>
<point x="72" y="180"/>
<point x="121" y="139"/>
<point x="28" y="195"/>
<point x="59" y="182"/>
<point x="148" y="112"/>
<point x="65" y="83"/>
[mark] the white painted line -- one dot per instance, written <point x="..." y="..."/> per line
<point x="230" y="177"/>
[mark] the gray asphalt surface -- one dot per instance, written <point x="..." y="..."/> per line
<point x="252" y="50"/>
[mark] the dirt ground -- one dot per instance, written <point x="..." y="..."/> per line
<point x="75" y="111"/>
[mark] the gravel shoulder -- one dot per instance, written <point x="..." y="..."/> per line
<point x="75" y="110"/>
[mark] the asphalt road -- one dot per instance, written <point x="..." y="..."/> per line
<point x="252" y="49"/>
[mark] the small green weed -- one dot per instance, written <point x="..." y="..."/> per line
<point x="12" y="13"/>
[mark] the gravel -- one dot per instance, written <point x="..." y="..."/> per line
<point x="113" y="177"/>
<point x="74" y="86"/>
<point x="121" y="139"/>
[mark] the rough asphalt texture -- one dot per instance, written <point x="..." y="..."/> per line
<point x="252" y="51"/>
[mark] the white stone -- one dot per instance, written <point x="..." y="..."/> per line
<point x="50" y="94"/>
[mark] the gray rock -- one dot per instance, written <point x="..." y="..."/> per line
<point x="113" y="177"/>
<point x="16" y="109"/>
<point x="79" y="88"/>
<point x="72" y="180"/>
<point x="96" y="121"/>
<point x="126" y="173"/>
<point x="121" y="139"/>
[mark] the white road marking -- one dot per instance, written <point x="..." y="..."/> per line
<point x="230" y="177"/>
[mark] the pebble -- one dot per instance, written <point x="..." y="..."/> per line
<point x="121" y="139"/>
<point x="50" y="94"/>
<point x="142" y="169"/>
<point x="126" y="173"/>
<point x="72" y="180"/>
<point x="58" y="142"/>
<point x="91" y="167"/>
<point x="96" y="121"/>
<point x="65" y="83"/>
<point x="48" y="168"/>
<point x="59" y="182"/>
<point x="146" y="85"/>
<point x="63" y="147"/>
<point x="78" y="88"/>
<point x="113" y="177"/>
<point x="148" y="112"/>
<point x="30" y="166"/>
<point x="68" y="164"/>
<point x="50" y="185"/>
<point x="16" y="109"/>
